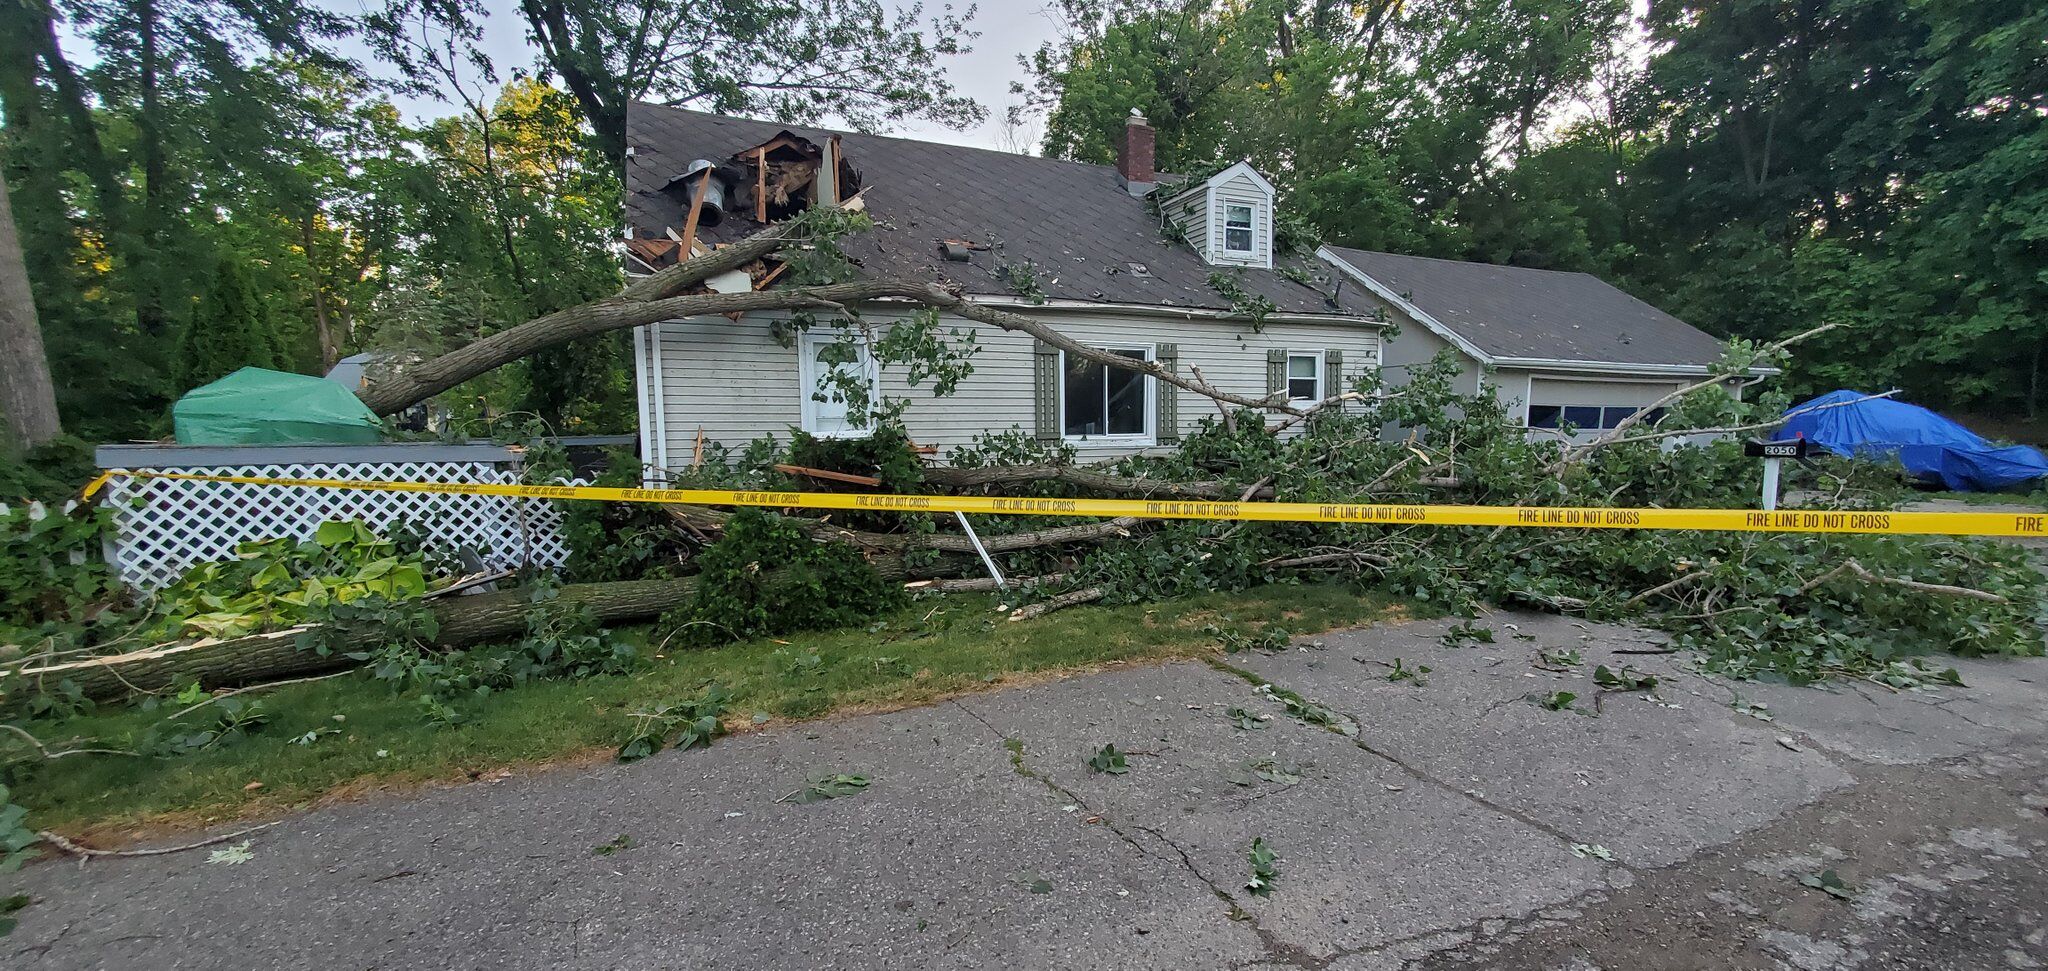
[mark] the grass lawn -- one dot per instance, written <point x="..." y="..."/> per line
<point x="931" y="649"/>
<point x="2037" y="499"/>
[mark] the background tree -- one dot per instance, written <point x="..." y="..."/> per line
<point x="229" y="330"/>
<point x="857" y="61"/>
<point x="27" y="398"/>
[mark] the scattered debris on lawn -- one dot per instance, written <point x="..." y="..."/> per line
<point x="1417" y="675"/>
<point x="1264" y="869"/>
<point x="1559" y="661"/>
<point x="1467" y="632"/>
<point x="1830" y="883"/>
<point x="1754" y="709"/>
<point x="1247" y="721"/>
<point x="87" y="853"/>
<point x="1592" y="851"/>
<point x="1626" y="679"/>
<point x="825" y="787"/>
<point x="1268" y="769"/>
<point x="1556" y="700"/>
<point x="1269" y="641"/>
<point x="693" y="722"/>
<point x="1108" y="760"/>
<point x="235" y="855"/>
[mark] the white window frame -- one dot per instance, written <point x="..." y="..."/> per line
<point x="1287" y="377"/>
<point x="1251" y="228"/>
<point x="807" y="375"/>
<point x="1149" y="436"/>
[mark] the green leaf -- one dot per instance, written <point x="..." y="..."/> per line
<point x="1108" y="760"/>
<point x="1264" y="868"/>
<point x="827" y="787"/>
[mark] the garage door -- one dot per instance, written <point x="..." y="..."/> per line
<point x="1591" y="405"/>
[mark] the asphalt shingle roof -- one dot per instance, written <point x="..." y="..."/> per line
<point x="1075" y="222"/>
<point x="1512" y="311"/>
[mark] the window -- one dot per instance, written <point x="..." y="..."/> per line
<point x="1237" y="228"/>
<point x="1582" y="416"/>
<point x="821" y="356"/>
<point x="1100" y="401"/>
<point x="1588" y="417"/>
<point x="1304" y="377"/>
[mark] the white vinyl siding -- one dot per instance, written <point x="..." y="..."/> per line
<point x="735" y="383"/>
<point x="1186" y="212"/>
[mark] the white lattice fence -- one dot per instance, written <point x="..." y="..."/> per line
<point x="178" y="523"/>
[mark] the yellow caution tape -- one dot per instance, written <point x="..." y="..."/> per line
<point x="1536" y="517"/>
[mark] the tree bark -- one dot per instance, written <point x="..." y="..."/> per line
<point x="27" y="396"/>
<point x="952" y="478"/>
<point x="705" y="517"/>
<point x="149" y="296"/>
<point x="323" y="325"/>
<point x="653" y="298"/>
<point x="464" y="622"/>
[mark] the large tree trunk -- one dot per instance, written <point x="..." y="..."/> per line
<point x="323" y="324"/>
<point x="996" y="475"/>
<point x="150" y="312"/>
<point x="26" y="394"/>
<point x="654" y="298"/>
<point x="464" y="622"/>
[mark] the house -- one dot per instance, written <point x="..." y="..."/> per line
<point x="1185" y="272"/>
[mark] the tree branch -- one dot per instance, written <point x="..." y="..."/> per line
<point x="1614" y="435"/>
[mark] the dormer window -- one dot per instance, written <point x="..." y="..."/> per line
<point x="1228" y="218"/>
<point x="1237" y="229"/>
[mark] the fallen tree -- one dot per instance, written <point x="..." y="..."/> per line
<point x="1861" y="603"/>
<point x="459" y="622"/>
<point x="462" y="621"/>
<point x="678" y="292"/>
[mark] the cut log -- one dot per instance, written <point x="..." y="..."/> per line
<point x="705" y="517"/>
<point x="952" y="478"/>
<point x="464" y="622"/>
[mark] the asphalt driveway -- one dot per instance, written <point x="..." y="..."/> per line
<point x="1450" y="821"/>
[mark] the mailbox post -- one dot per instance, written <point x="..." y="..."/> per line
<point x="1774" y="455"/>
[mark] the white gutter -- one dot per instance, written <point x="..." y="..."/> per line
<point x="1617" y="367"/>
<point x="1158" y="310"/>
<point x="1381" y="290"/>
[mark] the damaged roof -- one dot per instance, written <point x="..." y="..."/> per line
<point x="1074" y="222"/>
<point x="1515" y="312"/>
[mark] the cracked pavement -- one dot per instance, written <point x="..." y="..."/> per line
<point x="1461" y="824"/>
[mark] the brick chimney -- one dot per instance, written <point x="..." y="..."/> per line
<point x="1134" y="155"/>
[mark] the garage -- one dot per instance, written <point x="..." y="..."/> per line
<point x="1591" y="405"/>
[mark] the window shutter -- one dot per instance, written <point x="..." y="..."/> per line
<point x="1045" y="391"/>
<point x="1333" y="373"/>
<point x="1276" y="371"/>
<point x="1167" y="415"/>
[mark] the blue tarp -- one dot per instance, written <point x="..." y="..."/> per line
<point x="1928" y="445"/>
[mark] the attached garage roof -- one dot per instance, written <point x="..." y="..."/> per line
<point x="1510" y="312"/>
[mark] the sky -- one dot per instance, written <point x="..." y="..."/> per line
<point x="1008" y="28"/>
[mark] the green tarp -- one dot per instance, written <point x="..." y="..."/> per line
<point x="254" y="406"/>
